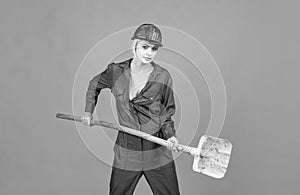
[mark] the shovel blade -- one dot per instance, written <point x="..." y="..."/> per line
<point x="214" y="156"/>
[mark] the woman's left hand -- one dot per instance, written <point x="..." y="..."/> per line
<point x="172" y="144"/>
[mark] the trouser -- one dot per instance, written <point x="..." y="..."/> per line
<point x="162" y="180"/>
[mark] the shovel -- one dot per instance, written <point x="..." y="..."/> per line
<point x="211" y="157"/>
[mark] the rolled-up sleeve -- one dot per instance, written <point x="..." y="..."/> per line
<point x="168" y="103"/>
<point x="99" y="82"/>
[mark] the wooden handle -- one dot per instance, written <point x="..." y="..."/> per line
<point x="68" y="117"/>
<point x="146" y="136"/>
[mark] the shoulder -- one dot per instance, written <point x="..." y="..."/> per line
<point x="118" y="66"/>
<point x="122" y="64"/>
<point x="163" y="72"/>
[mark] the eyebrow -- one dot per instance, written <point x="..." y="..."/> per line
<point x="146" y="44"/>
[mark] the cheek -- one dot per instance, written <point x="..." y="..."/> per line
<point x="140" y="52"/>
<point x="154" y="53"/>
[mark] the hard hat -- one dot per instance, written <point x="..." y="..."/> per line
<point x="150" y="33"/>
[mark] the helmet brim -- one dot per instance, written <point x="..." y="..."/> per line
<point x="150" y="41"/>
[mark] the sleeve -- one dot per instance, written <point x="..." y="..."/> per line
<point x="168" y="102"/>
<point x="99" y="82"/>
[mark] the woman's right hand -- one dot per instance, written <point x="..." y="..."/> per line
<point x="86" y="118"/>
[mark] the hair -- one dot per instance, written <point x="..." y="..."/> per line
<point x="134" y="44"/>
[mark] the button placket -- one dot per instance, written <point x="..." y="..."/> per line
<point x="132" y="107"/>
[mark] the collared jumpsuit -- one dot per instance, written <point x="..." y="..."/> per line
<point x="150" y="111"/>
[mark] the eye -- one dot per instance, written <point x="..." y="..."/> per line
<point x="145" y="47"/>
<point x="154" y="48"/>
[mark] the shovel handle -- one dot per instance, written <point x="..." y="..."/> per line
<point x="186" y="149"/>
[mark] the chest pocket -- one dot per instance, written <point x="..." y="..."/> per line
<point x="152" y="100"/>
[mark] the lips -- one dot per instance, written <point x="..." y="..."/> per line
<point x="147" y="58"/>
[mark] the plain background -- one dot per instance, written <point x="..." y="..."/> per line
<point x="255" y="44"/>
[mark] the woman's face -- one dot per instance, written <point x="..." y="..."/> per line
<point x="145" y="51"/>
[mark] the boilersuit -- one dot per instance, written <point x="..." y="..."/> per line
<point x="151" y="112"/>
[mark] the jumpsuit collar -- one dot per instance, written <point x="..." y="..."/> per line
<point x="152" y="77"/>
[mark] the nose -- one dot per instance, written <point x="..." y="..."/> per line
<point x="149" y="51"/>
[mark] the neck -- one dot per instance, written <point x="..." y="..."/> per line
<point x="138" y="66"/>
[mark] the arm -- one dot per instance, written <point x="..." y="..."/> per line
<point x="169" y="110"/>
<point x="99" y="82"/>
<point x="168" y="102"/>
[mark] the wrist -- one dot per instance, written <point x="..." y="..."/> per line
<point x="88" y="114"/>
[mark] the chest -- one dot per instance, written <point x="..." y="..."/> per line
<point x="137" y="83"/>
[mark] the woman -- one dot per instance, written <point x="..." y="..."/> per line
<point x="144" y="101"/>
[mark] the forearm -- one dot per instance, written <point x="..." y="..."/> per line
<point x="168" y="129"/>
<point x="92" y="95"/>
